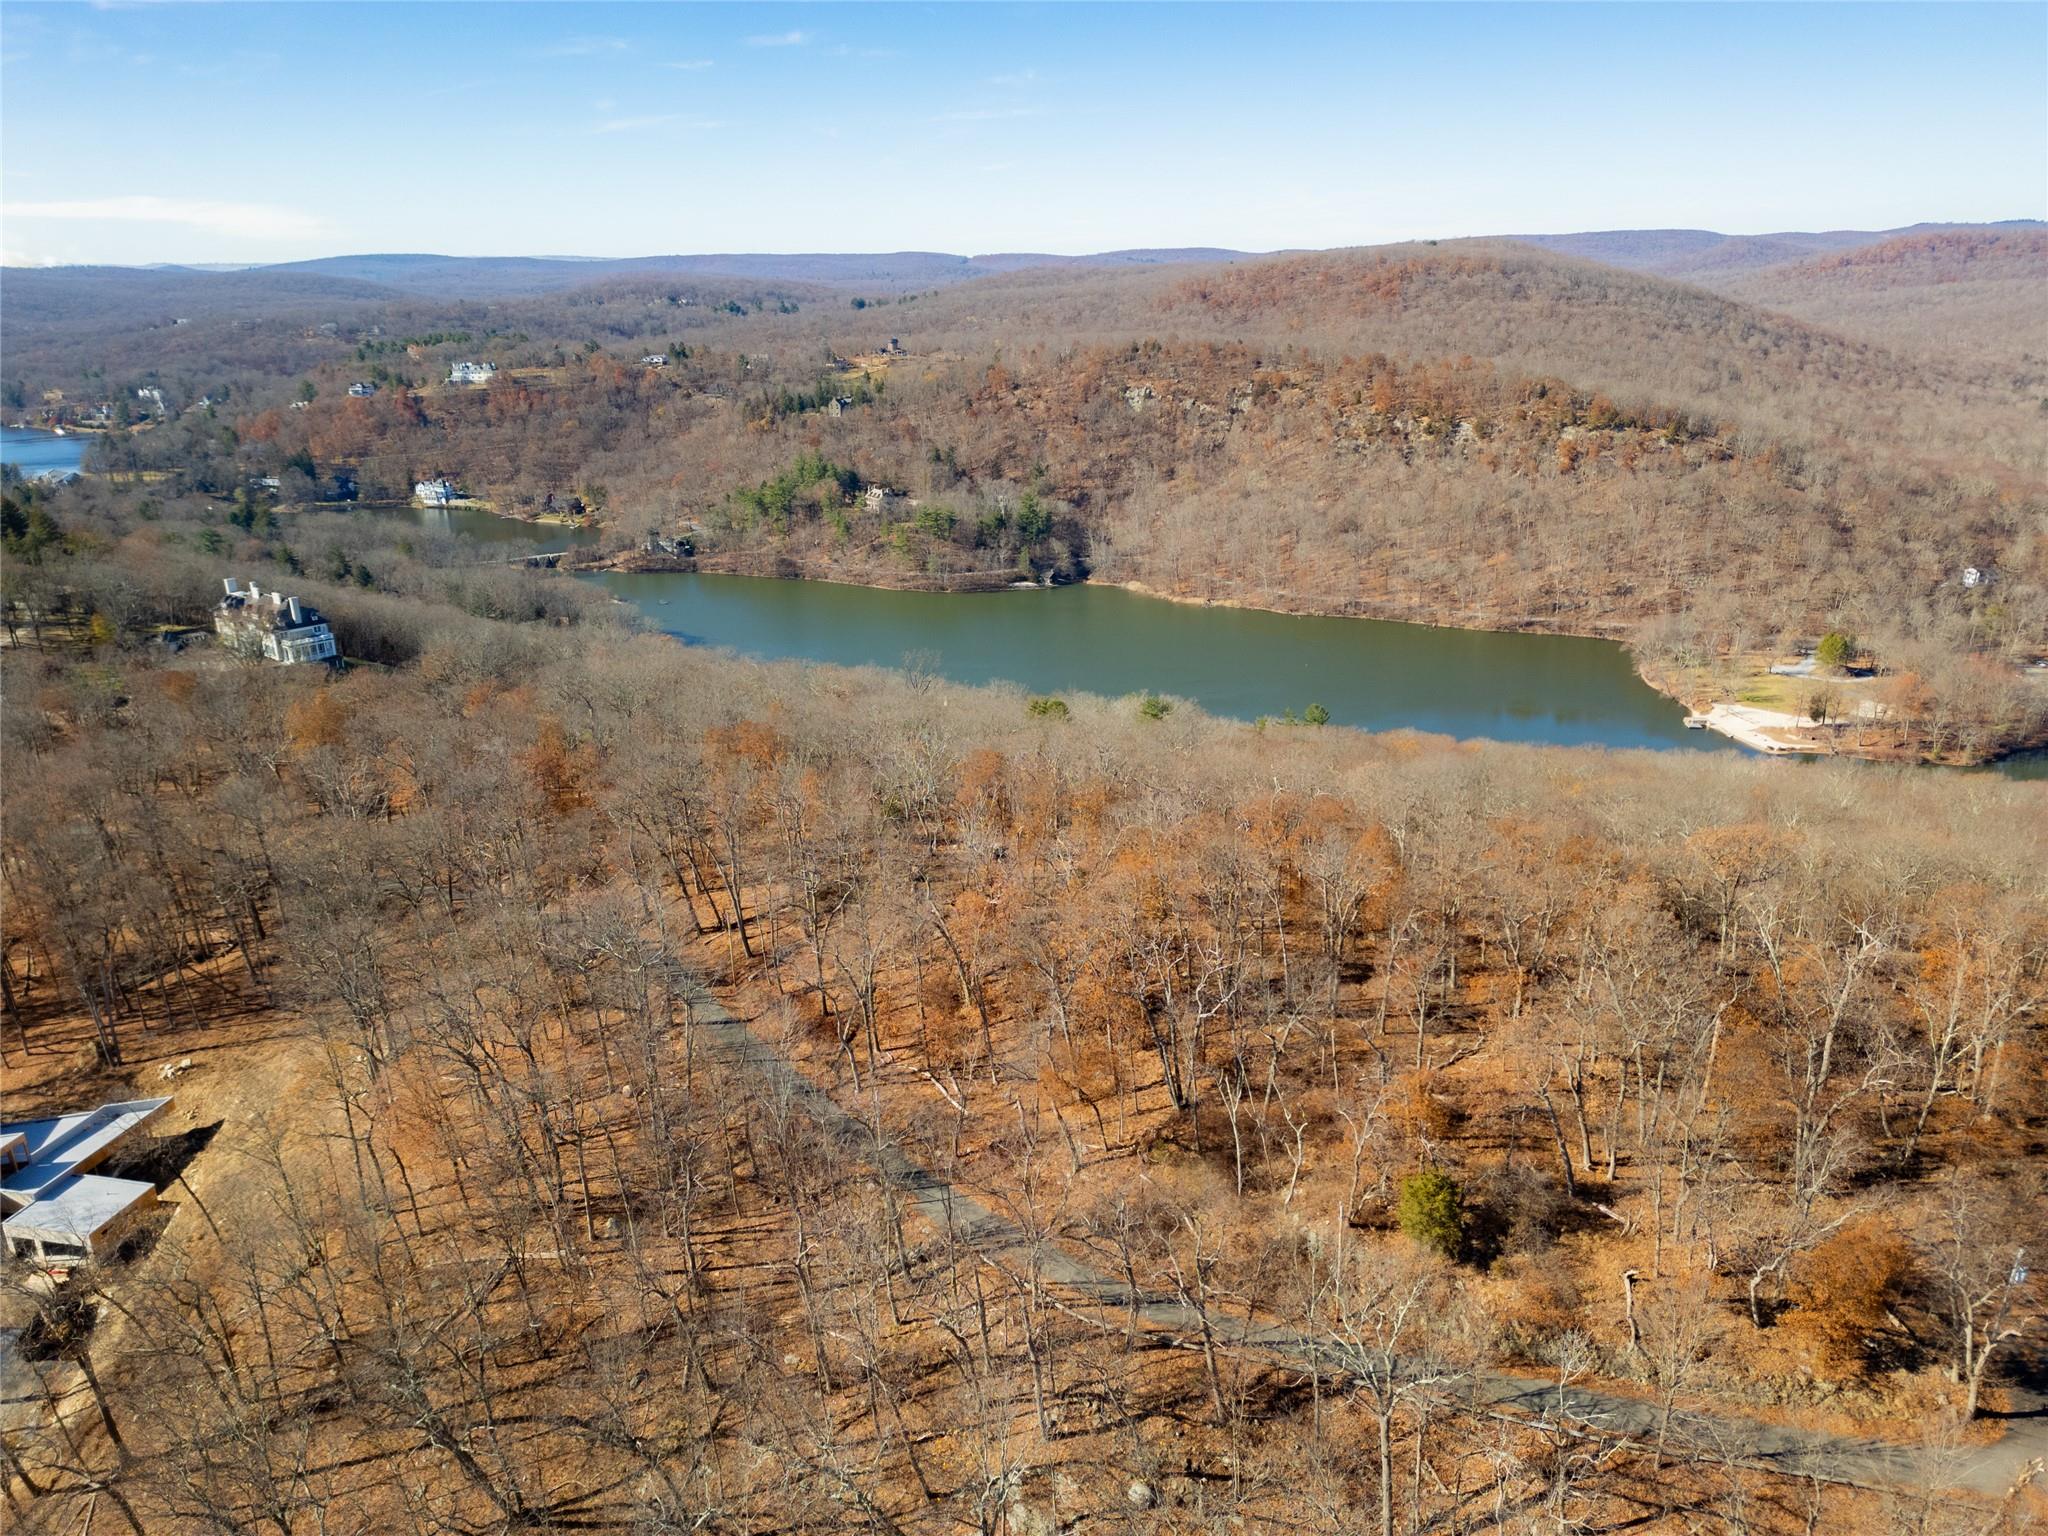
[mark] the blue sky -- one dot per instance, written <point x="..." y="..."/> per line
<point x="271" y="132"/>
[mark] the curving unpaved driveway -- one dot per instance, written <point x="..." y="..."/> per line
<point x="1803" y="1453"/>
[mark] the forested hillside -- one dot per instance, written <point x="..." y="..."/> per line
<point x="1642" y="339"/>
<point x="242" y="337"/>
<point x="623" y="1088"/>
<point x="1472" y="433"/>
<point x="1974" y="301"/>
<point x="1702" y="255"/>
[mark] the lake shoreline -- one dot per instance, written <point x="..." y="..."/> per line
<point x="1097" y="637"/>
<point x="38" y="453"/>
<point x="1815" y="741"/>
<point x="1818" y="741"/>
<point x="790" y="568"/>
<point x="643" y="562"/>
<point x="561" y="520"/>
<point x="1785" y="733"/>
<point x="1616" y="633"/>
<point x="1821" y="740"/>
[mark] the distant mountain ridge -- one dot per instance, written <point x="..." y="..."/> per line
<point x="888" y="271"/>
<point x="1701" y="253"/>
<point x="1954" y="296"/>
<point x="1968" y="299"/>
<point x="1692" y="255"/>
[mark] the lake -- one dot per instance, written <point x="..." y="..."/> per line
<point x="1232" y="661"/>
<point x="36" y="453"/>
<point x="2024" y="765"/>
<point x="489" y="528"/>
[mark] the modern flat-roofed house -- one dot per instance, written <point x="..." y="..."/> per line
<point x="362" y="389"/>
<point x="654" y="360"/>
<point x="259" y="623"/>
<point x="472" y="373"/>
<point x="53" y="1208"/>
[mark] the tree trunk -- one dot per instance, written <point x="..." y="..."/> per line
<point x="1385" y="1424"/>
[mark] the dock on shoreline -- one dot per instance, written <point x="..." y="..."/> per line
<point x="1762" y="730"/>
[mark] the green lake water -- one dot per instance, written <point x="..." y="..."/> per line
<point x="1104" y="640"/>
<point x="489" y="528"/>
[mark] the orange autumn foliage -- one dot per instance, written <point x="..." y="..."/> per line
<point x="1844" y="1291"/>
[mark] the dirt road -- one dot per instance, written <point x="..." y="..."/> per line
<point x="1989" y="1470"/>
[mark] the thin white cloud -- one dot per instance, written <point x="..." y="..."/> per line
<point x="778" y="39"/>
<point x="243" y="221"/>
<point x="688" y="64"/>
<point x="651" y="120"/>
<point x="986" y="115"/>
<point x="1015" y="81"/>
<point x="585" y="47"/>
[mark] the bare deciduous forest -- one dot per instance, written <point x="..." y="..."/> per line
<point x="625" y="1088"/>
<point x="1950" y="296"/>
<point x="632" y="1089"/>
<point x="1477" y="433"/>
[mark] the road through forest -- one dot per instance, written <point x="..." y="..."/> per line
<point x="1793" y="1452"/>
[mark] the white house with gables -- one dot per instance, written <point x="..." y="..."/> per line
<point x="269" y="624"/>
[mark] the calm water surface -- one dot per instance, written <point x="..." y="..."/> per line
<point x="36" y="453"/>
<point x="1376" y="676"/>
<point x="489" y="528"/>
<point x="2025" y="765"/>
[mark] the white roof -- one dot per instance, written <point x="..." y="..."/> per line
<point x="56" y="1196"/>
<point x="71" y="1144"/>
<point x="77" y="1206"/>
